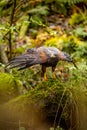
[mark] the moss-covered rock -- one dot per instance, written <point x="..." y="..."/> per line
<point x="9" y="87"/>
<point x="51" y="103"/>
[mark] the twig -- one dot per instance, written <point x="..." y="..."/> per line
<point x="11" y="22"/>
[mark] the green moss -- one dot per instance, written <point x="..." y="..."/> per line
<point x="53" y="89"/>
<point x="69" y="98"/>
<point x="9" y="87"/>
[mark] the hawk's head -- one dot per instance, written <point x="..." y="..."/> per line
<point x="66" y="57"/>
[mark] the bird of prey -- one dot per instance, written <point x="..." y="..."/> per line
<point x="45" y="56"/>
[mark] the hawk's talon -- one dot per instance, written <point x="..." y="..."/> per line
<point x="45" y="77"/>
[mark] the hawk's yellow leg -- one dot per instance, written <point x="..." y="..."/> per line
<point x="44" y="73"/>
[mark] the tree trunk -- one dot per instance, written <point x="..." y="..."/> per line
<point x="3" y="57"/>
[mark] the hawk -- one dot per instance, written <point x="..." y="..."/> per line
<point x="45" y="56"/>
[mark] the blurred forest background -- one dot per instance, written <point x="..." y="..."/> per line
<point x="27" y="103"/>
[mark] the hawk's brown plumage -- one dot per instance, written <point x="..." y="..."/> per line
<point x="45" y="56"/>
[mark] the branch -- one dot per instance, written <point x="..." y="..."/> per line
<point x="11" y="22"/>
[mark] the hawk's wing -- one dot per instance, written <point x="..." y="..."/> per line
<point x="31" y="57"/>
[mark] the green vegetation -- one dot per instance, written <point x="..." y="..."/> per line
<point x="9" y="87"/>
<point x="26" y="101"/>
<point x="55" y="101"/>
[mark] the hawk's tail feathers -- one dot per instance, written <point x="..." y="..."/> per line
<point x="21" y="62"/>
